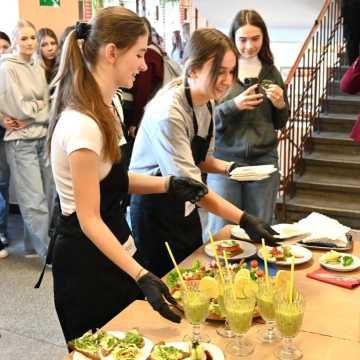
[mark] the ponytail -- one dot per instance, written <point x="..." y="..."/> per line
<point x="77" y="89"/>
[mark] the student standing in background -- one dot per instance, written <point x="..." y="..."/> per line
<point x="247" y="122"/>
<point x="47" y="51"/>
<point x="4" y="168"/>
<point x="24" y="110"/>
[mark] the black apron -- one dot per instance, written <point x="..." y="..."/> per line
<point x="89" y="289"/>
<point x="158" y="218"/>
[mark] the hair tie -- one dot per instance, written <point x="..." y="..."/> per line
<point x="82" y="30"/>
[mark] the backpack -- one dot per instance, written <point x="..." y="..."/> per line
<point x="172" y="69"/>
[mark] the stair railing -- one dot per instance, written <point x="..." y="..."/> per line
<point x="307" y="89"/>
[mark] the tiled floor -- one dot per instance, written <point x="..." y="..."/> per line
<point x="29" y="328"/>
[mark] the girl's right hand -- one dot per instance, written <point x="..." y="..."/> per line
<point x="248" y="99"/>
<point x="11" y="123"/>
<point x="156" y="291"/>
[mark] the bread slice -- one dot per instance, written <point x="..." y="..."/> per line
<point x="107" y="343"/>
<point x="88" y="344"/>
<point x="162" y="352"/>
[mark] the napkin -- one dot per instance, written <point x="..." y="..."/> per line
<point x="323" y="229"/>
<point x="252" y="173"/>
<point x="349" y="284"/>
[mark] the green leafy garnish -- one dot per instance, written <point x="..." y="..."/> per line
<point x="346" y="260"/>
<point x="133" y="337"/>
<point x="173" y="277"/>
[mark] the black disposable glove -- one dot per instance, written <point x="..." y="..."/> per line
<point x="258" y="229"/>
<point x="233" y="165"/>
<point x="155" y="291"/>
<point x="186" y="189"/>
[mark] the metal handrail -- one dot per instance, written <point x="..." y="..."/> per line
<point x="308" y="88"/>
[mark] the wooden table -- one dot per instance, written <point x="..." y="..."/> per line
<point x="330" y="331"/>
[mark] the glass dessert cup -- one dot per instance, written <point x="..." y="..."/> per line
<point x="225" y="330"/>
<point x="289" y="317"/>
<point x="196" y="308"/>
<point x="239" y="313"/>
<point x="265" y="301"/>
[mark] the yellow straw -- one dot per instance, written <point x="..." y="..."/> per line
<point x="226" y="263"/>
<point x="175" y="265"/>
<point x="292" y="279"/>
<point x="229" y="274"/>
<point x="216" y="257"/>
<point x="265" y="262"/>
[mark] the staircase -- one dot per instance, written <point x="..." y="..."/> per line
<point x="327" y="179"/>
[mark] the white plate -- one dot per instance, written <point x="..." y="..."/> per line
<point x="287" y="231"/>
<point x="254" y="170"/>
<point x="305" y="254"/>
<point x="339" y="267"/>
<point x="249" y="250"/>
<point x="214" y="350"/>
<point x="143" y="355"/>
<point x="249" y="177"/>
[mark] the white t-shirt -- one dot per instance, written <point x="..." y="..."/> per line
<point x="74" y="131"/>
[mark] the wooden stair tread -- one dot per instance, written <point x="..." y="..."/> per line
<point x="344" y="98"/>
<point x="332" y="135"/>
<point x="328" y="180"/>
<point x="351" y="159"/>
<point x="338" y="116"/>
<point x="319" y="204"/>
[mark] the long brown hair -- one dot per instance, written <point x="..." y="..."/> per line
<point x="46" y="63"/>
<point x="251" y="17"/>
<point x="76" y="87"/>
<point x="206" y="44"/>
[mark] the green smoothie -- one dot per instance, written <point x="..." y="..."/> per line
<point x="221" y="303"/>
<point x="266" y="306"/>
<point x="196" y="307"/>
<point x="289" y="319"/>
<point x="239" y="319"/>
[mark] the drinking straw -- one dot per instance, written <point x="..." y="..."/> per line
<point x="226" y="263"/>
<point x="216" y="256"/>
<point x="175" y="265"/>
<point x="229" y="275"/>
<point x="265" y="262"/>
<point x="292" y="279"/>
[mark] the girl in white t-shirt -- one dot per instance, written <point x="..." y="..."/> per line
<point x="95" y="270"/>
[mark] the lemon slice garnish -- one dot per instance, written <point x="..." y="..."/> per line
<point x="243" y="273"/>
<point x="282" y="278"/>
<point x="209" y="286"/>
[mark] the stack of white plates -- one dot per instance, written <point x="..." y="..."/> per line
<point x="252" y="173"/>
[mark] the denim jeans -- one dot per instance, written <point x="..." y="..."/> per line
<point x="258" y="198"/>
<point x="31" y="172"/>
<point x="4" y="188"/>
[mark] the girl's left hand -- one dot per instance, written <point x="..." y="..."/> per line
<point x="276" y="95"/>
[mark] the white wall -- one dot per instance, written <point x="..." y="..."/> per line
<point x="276" y="13"/>
<point x="9" y="14"/>
<point x="288" y="22"/>
<point x="286" y="45"/>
